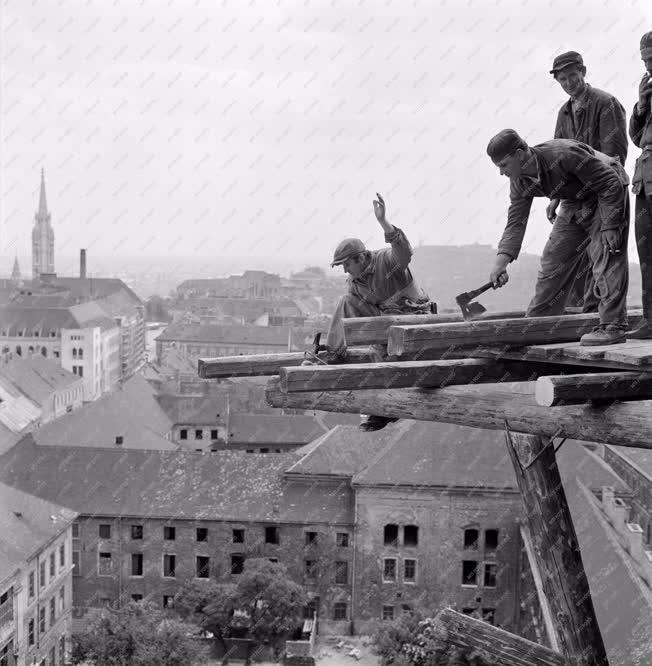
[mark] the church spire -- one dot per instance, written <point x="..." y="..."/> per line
<point x="15" y="273"/>
<point x="42" y="202"/>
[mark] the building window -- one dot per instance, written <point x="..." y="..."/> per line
<point x="76" y="569"/>
<point x="136" y="564"/>
<point x="490" y="570"/>
<point x="310" y="569"/>
<point x="339" y="610"/>
<point x="409" y="571"/>
<point x="30" y="631"/>
<point x="214" y="434"/>
<point x="7" y="606"/>
<point x="169" y="533"/>
<point x="199" y="434"/>
<point x="469" y="572"/>
<point x="74" y="352"/>
<point x="389" y="569"/>
<point x="41" y="574"/>
<point x="238" y="536"/>
<point x="119" y="440"/>
<point x="136" y="597"/>
<point x="237" y="563"/>
<point x="19" y="351"/>
<point x="490" y="539"/>
<point x="30" y="349"/>
<point x="53" y="564"/>
<point x="271" y="535"/>
<point x="62" y="598"/>
<point x="52" y="610"/>
<point x="410" y="535"/>
<point x="136" y="532"/>
<point x="341" y="573"/>
<point x="310" y="537"/>
<point x="342" y="539"/>
<point x="169" y="566"/>
<point x="183" y="433"/>
<point x="80" y="353"/>
<point x="388" y="612"/>
<point x="471" y="538"/>
<point x="31" y="586"/>
<point x="105" y="531"/>
<point x="202" y="566"/>
<point x="75" y="530"/>
<point x="168" y="601"/>
<point x="202" y="534"/>
<point x="390" y="535"/>
<point x="41" y="620"/>
<point x="105" y="564"/>
<point x="62" y="649"/>
<point x="56" y="353"/>
<point x="62" y="555"/>
<point x="44" y="352"/>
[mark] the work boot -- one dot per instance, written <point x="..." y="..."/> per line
<point x="375" y="423"/>
<point x="603" y="334"/>
<point x="643" y="332"/>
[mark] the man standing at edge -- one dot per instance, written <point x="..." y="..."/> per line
<point x="598" y="119"/>
<point x="597" y="184"/>
<point x="640" y="130"/>
<point x="379" y="282"/>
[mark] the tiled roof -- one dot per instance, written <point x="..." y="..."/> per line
<point x="439" y="454"/>
<point x="18" y="319"/>
<point x="27" y="523"/>
<point x="641" y="458"/>
<point x="37" y="377"/>
<point x="273" y="428"/>
<point x="131" y="412"/>
<point x="250" y="335"/>
<point x="17" y="411"/>
<point x="194" y="409"/>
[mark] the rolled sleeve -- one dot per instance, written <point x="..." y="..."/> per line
<point x="520" y="203"/>
<point x="401" y="248"/>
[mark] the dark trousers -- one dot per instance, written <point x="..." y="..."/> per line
<point x="643" y="231"/>
<point x="562" y="260"/>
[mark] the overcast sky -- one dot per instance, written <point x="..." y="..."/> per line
<point x="265" y="128"/>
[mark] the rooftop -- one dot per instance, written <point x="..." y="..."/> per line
<point x="273" y="428"/>
<point x="37" y="377"/>
<point x="194" y="409"/>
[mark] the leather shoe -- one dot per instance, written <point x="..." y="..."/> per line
<point x="643" y="332"/>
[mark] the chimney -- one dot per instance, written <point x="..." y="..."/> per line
<point x="82" y="264"/>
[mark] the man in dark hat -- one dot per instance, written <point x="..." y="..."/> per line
<point x="598" y="119"/>
<point x="640" y="130"/>
<point x="597" y="185"/>
<point x="380" y="282"/>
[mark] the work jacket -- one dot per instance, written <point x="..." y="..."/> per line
<point x="572" y="171"/>
<point x="600" y="122"/>
<point x="387" y="281"/>
<point x="640" y="130"/>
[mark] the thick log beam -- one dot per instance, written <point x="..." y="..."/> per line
<point x="374" y="330"/>
<point x="404" y="340"/>
<point x="556" y="549"/>
<point x="495" y="646"/>
<point x="576" y="389"/>
<point x="486" y="406"/>
<point x="409" y="374"/>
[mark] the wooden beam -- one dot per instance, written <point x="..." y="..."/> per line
<point x="503" y="332"/>
<point x="556" y="548"/>
<point x="374" y="330"/>
<point x="491" y="644"/>
<point x="576" y="389"/>
<point x="486" y="406"/>
<point x="408" y="374"/>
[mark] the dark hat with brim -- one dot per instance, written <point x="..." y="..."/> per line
<point x="646" y="45"/>
<point x="565" y="60"/>
<point x="505" y="143"/>
<point x="349" y="247"/>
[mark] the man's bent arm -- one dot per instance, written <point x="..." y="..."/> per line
<point x="401" y="248"/>
<point x="517" y="218"/>
<point x="637" y="125"/>
<point x="613" y="130"/>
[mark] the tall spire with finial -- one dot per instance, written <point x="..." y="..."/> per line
<point x="42" y="236"/>
<point x="15" y="273"/>
<point x="42" y="201"/>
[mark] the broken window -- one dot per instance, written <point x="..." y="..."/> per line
<point x="469" y="572"/>
<point x="170" y="566"/>
<point x="390" y="535"/>
<point x="490" y="570"/>
<point x="389" y="569"/>
<point x="202" y="566"/>
<point x="491" y="539"/>
<point x="237" y="563"/>
<point x="271" y="534"/>
<point x="410" y="535"/>
<point x="471" y="538"/>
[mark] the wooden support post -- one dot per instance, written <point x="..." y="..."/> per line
<point x="486" y="406"/>
<point x="504" y="332"/>
<point x="407" y="374"/>
<point x="374" y="330"/>
<point x="556" y="548"/>
<point x="574" y="389"/>
<point x="494" y="645"/>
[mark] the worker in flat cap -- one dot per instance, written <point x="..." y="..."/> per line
<point x="640" y="131"/>
<point x="598" y="119"/>
<point x="597" y="184"/>
<point x="379" y="282"/>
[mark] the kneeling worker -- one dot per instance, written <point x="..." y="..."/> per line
<point x="597" y="185"/>
<point x="379" y="282"/>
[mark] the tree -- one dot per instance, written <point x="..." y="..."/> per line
<point x="272" y="601"/>
<point x="155" y="309"/>
<point x="139" y="634"/>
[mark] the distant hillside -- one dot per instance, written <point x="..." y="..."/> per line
<point x="446" y="271"/>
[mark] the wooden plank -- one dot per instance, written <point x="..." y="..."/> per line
<point x="407" y="374"/>
<point x="556" y="549"/>
<point x="575" y="389"/>
<point x="486" y="406"/>
<point x="491" y="644"/>
<point x="523" y="332"/>
<point x="374" y="330"/>
<point x="633" y="353"/>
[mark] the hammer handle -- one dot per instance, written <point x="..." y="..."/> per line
<point x="480" y="290"/>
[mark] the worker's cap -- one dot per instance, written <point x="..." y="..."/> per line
<point x="646" y="45"/>
<point x="566" y="59"/>
<point x="505" y="143"/>
<point x="349" y="247"/>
